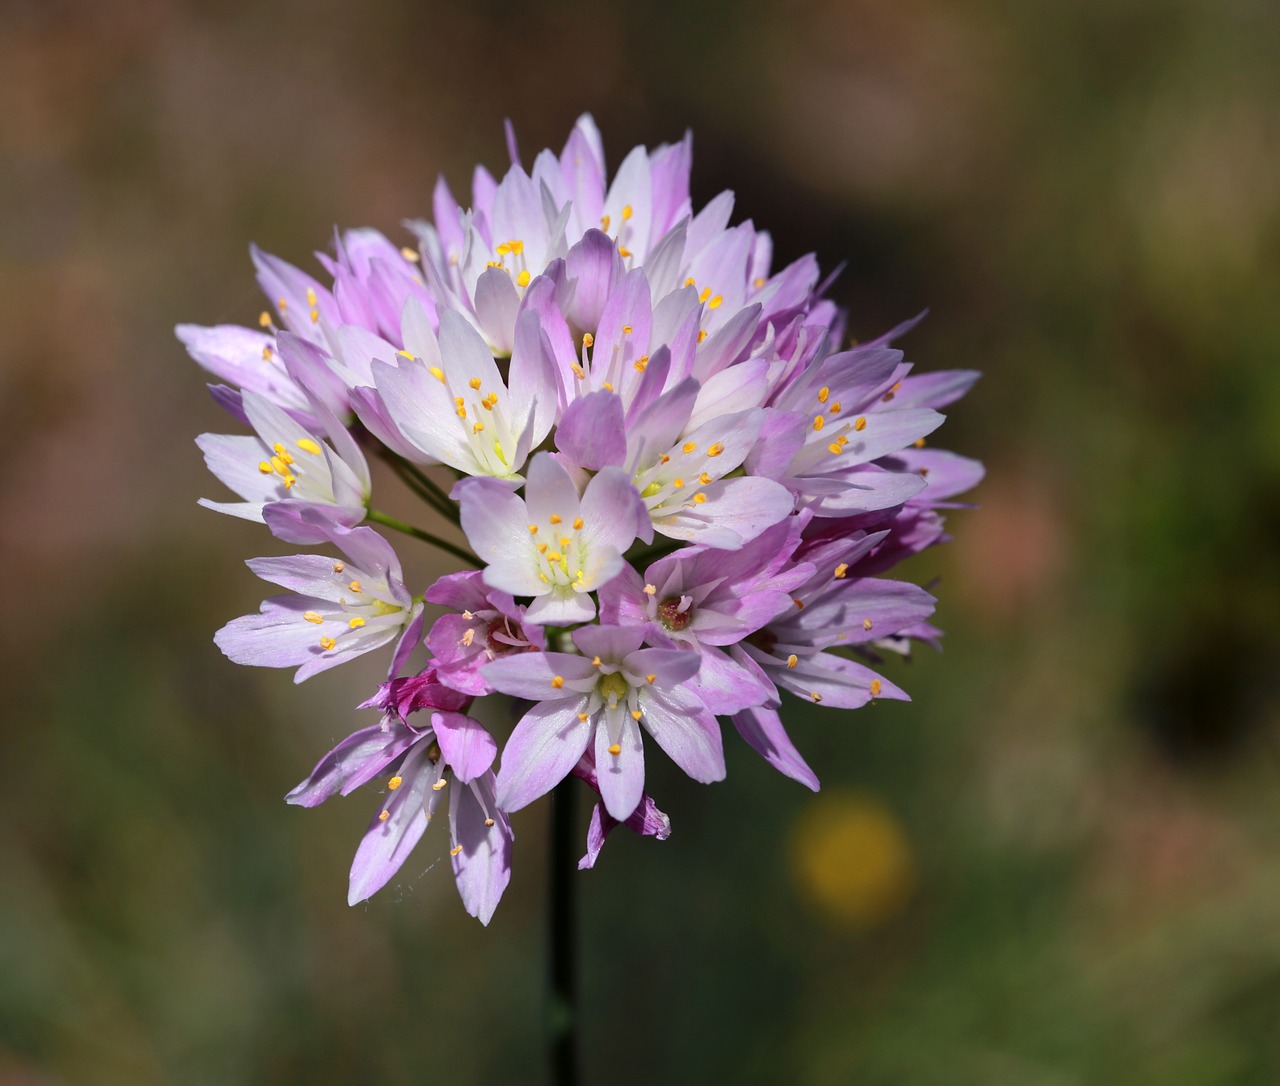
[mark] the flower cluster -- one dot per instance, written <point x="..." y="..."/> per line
<point x="678" y="490"/>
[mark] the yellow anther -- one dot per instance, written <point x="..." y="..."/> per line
<point x="542" y="548"/>
<point x="650" y="678"/>
<point x="456" y="850"/>
<point x="860" y="423"/>
<point x="577" y="523"/>
<point x="533" y="529"/>
<point x="437" y="373"/>
<point x="356" y="623"/>
<point x="626" y="212"/>
<point x="818" y="422"/>
<point x="699" y="498"/>
<point x="704" y="479"/>
<point x="493" y="263"/>
<point x="815" y="695"/>
<point x="604" y="222"/>
<point x="264" y="319"/>
<point x="688" y="447"/>
<point x="650" y="590"/>
<point x="544" y="578"/>
<point x="488" y="821"/>
<point x="835" y="407"/>
<point x="597" y="662"/>
<point x="503" y="249"/>
<point x="702" y="335"/>
<point x="565" y="540"/>
<point x="636" y="714"/>
<point x="282" y="452"/>
<point x="678" y="483"/>
<point x="522" y="280"/>
<point x="406" y="354"/>
<point x="279" y="466"/>
<point x="588" y="340"/>
<point x="757" y="283"/>
<point x="409" y="254"/>
<point x="715" y="302"/>
<point x="866" y="624"/>
<point x="476" y="427"/>
<point x="315" y="316"/>
<point x="462" y="412"/>
<point x="327" y="643"/>
<point x="664" y="459"/>
<point x="615" y="749"/>
<point x="474" y="383"/>
<point x="266" y="354"/>
<point x="282" y="304"/>
<point x="835" y="448"/>
<point x="716" y="449"/>
<point x="583" y="717"/>
<point x="313" y="616"/>
<point x="395" y="782"/>
<point x="338" y="567"/>
<point x="623" y="252"/>
<point x="384" y="816"/>
<point x="799" y="603"/>
<point x="557" y="681"/>
<point x="652" y="490"/>
<point x="439" y="784"/>
<point x="842" y="571"/>
<point x="889" y="395"/>
<point x="918" y="443"/>
<point x="356" y="587"/>
<point x="265" y="467"/>
<point x="842" y="440"/>
<point x="607" y="387"/>
<point x="554" y="556"/>
<point x="468" y="638"/>
<point x="823" y="393"/>
<point x="458" y="401"/>
<point x="554" y="518"/>
<point x="792" y="660"/>
<point x="309" y="446"/>
<point x="705" y="295"/>
<point x="311" y="296"/>
<point x="627" y="329"/>
<point x="690" y="282"/>
<point x="642" y="363"/>
<point x="516" y="246"/>
<point x="875" y="688"/>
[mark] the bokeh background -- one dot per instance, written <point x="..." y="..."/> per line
<point x="1059" y="865"/>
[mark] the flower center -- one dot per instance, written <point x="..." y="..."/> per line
<point x="613" y="689"/>
<point x="675" y="612"/>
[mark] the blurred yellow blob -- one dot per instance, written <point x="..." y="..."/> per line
<point x="851" y="859"/>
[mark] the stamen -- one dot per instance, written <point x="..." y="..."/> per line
<point x="356" y="623"/>
<point x="626" y="212"/>
<point x="488" y="821"/>
<point x="918" y="443"/>
<point x="835" y="448"/>
<point x="705" y="295"/>
<point x="690" y="282"/>
<point x="875" y="688"/>
<point x="313" y="616"/>
<point x="554" y="518"/>
<point x="860" y="423"/>
<point x="688" y="447"/>
<point x="636" y="714"/>
<point x="456" y="850"/>
<point x="699" y="497"/>
<point x="583" y="717"/>
<point x="757" y="283"/>
<point x="476" y="427"/>
<point x="356" y="587"/>
<point x="866" y="624"/>
<point x="704" y="479"/>
<point x="823" y="393"/>
<point x="841" y="570"/>
<point x="818" y="422"/>
<point x="623" y="252"/>
<point x="467" y="638"/>
<point x="650" y="678"/>
<point x="615" y="749"/>
<point x="315" y="316"/>
<point x="437" y="373"/>
<point x="577" y="523"/>
<point x="799" y="603"/>
<point x="384" y="816"/>
<point x="702" y="334"/>
<point x="715" y="302"/>
<point x="604" y="222"/>
<point x="309" y="446"/>
<point x="264" y="319"/>
<point x="439" y="784"/>
<point x="327" y="643"/>
<point x="597" y="662"/>
<point x="588" y="340"/>
<point x="627" y="329"/>
<point x="715" y="449"/>
<point x="815" y="695"/>
<point x="406" y="354"/>
<point x="522" y="280"/>
<point x="642" y="363"/>
<point x="311" y="296"/>
<point x="474" y="383"/>
<point x="650" y="590"/>
<point x="533" y="529"/>
<point x="678" y="483"/>
<point x="409" y="255"/>
<point x="266" y="354"/>
<point x="557" y="681"/>
<point x="395" y="782"/>
<point x="265" y="467"/>
<point x="338" y="567"/>
<point x="835" y="407"/>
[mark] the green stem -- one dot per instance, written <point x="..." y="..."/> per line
<point x="400" y="526"/>
<point x="563" y="1040"/>
<point x="423" y="485"/>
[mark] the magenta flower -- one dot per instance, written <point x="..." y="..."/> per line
<point x="680" y="493"/>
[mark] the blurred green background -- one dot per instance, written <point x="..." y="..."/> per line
<point x="1060" y="864"/>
